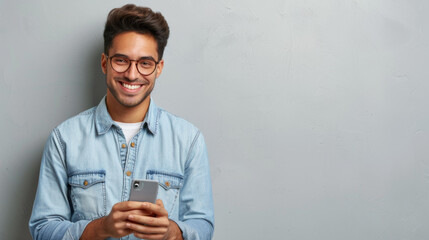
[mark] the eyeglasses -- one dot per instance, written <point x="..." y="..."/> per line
<point x="145" y="66"/>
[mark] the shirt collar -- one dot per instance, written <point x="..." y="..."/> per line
<point x="103" y="121"/>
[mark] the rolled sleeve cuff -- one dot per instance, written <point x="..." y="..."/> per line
<point x="74" y="232"/>
<point x="196" y="229"/>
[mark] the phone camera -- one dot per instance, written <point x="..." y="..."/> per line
<point x="136" y="184"/>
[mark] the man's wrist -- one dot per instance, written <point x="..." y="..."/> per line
<point x="95" y="230"/>
<point x="175" y="231"/>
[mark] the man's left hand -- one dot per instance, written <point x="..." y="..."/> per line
<point x="156" y="225"/>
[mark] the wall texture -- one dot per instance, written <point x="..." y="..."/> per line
<point x="313" y="111"/>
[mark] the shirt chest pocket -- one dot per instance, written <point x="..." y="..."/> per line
<point x="168" y="190"/>
<point x="88" y="194"/>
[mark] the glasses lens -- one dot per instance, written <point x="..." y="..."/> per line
<point x="120" y="64"/>
<point x="146" y="66"/>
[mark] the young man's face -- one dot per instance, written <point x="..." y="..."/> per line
<point x="131" y="88"/>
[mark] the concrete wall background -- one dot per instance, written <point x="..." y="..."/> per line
<point x="314" y="112"/>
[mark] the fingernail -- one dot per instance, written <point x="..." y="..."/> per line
<point x="131" y="217"/>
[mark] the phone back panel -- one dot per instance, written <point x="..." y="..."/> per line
<point x="146" y="191"/>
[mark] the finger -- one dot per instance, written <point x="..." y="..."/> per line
<point x="117" y="227"/>
<point x="155" y="208"/>
<point x="127" y="205"/>
<point x="146" y="229"/>
<point x="159" y="203"/>
<point x="150" y="221"/>
<point x="140" y="212"/>
<point x="118" y="216"/>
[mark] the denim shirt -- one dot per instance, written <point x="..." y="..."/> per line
<point x="87" y="167"/>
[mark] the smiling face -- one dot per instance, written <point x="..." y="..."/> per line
<point x="130" y="89"/>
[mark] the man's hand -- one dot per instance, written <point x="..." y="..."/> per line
<point x="114" y="224"/>
<point x="145" y="220"/>
<point x="154" y="226"/>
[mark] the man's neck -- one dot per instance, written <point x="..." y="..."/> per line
<point x="120" y="113"/>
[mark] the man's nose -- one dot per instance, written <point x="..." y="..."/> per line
<point x="132" y="73"/>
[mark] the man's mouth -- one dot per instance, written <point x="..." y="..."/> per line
<point x="131" y="86"/>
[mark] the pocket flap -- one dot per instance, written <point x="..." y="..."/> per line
<point x="166" y="180"/>
<point x="86" y="179"/>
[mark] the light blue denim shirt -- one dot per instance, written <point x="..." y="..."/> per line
<point x="87" y="167"/>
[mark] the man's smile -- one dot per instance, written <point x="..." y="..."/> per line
<point x="131" y="86"/>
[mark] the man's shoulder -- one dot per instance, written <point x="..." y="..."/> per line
<point x="77" y="121"/>
<point x="169" y="121"/>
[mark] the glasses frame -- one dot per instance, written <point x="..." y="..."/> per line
<point x="136" y="61"/>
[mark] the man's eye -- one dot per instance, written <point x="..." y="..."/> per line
<point x="120" y="61"/>
<point x="146" y="63"/>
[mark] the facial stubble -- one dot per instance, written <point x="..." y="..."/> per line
<point x="126" y="80"/>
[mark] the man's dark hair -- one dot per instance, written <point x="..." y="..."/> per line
<point x="131" y="18"/>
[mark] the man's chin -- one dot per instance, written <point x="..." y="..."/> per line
<point x="126" y="100"/>
<point x="130" y="103"/>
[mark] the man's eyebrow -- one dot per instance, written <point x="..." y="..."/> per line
<point x="147" y="57"/>
<point x="141" y="58"/>
<point x="119" y="55"/>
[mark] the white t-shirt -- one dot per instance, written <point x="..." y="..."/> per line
<point x="129" y="129"/>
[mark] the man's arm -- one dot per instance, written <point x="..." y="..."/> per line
<point x="196" y="217"/>
<point x="94" y="230"/>
<point x="50" y="218"/>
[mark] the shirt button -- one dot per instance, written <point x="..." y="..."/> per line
<point x="133" y="144"/>
<point x="167" y="183"/>
<point x="128" y="173"/>
<point x="85" y="183"/>
<point x="123" y="145"/>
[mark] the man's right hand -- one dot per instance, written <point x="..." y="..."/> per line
<point x="114" y="224"/>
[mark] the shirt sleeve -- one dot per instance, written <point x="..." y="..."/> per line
<point x="196" y="217"/>
<point x="50" y="218"/>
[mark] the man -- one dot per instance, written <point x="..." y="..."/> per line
<point x="90" y="160"/>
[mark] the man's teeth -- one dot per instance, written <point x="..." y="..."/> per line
<point x="130" y="86"/>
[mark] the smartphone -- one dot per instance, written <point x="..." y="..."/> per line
<point x="144" y="190"/>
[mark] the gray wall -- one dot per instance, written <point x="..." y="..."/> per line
<point x="315" y="112"/>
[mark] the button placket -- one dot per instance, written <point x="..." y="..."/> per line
<point x="123" y="149"/>
<point x="130" y="159"/>
<point x="129" y="164"/>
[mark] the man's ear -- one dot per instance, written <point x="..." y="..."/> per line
<point x="159" y="68"/>
<point x="104" y="63"/>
